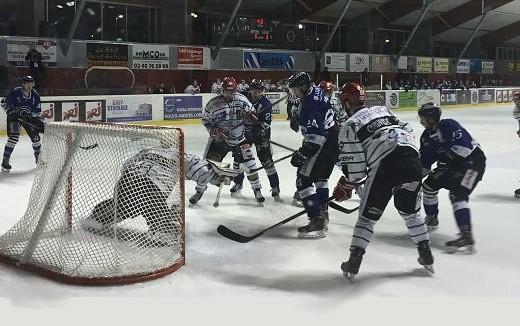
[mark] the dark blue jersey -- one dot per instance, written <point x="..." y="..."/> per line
<point x="264" y="111"/>
<point x="17" y="100"/>
<point x="449" y="144"/>
<point x="316" y="116"/>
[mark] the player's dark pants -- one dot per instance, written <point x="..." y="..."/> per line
<point x="137" y="195"/>
<point x="312" y="177"/>
<point x="13" y="134"/>
<point x="398" y="175"/>
<point x="242" y="154"/>
<point x="459" y="181"/>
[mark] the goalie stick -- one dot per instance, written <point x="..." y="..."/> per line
<point x="217" y="199"/>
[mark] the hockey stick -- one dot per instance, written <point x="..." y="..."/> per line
<point x="343" y="209"/>
<point x="232" y="235"/>
<point x="86" y="148"/>
<point x="273" y="162"/>
<point x="216" y="203"/>
<point x="283" y="146"/>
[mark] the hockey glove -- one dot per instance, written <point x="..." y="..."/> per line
<point x="298" y="159"/>
<point x="294" y="123"/>
<point x="249" y="134"/>
<point x="12" y="112"/>
<point x="343" y="189"/>
<point x="217" y="133"/>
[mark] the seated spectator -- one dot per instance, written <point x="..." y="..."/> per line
<point x="216" y="87"/>
<point x="193" y="88"/>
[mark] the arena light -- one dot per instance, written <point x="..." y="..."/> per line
<point x="59" y="6"/>
<point x="194" y="15"/>
<point x="120" y="16"/>
<point x="70" y="3"/>
<point x="387" y="41"/>
<point x="300" y="26"/>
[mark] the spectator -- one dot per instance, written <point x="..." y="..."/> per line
<point x="193" y="88"/>
<point x="243" y="87"/>
<point x="35" y="65"/>
<point x="364" y="77"/>
<point x="160" y="89"/>
<point x="216" y="87"/>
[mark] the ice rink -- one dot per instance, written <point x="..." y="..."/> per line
<point x="278" y="266"/>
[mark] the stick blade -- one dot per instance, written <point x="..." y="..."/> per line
<point x="343" y="209"/>
<point x="232" y="235"/>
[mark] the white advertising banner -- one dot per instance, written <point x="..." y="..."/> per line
<point x="488" y="67"/>
<point x="358" y="62"/>
<point x="463" y="66"/>
<point x="402" y="63"/>
<point x="392" y="99"/>
<point x="17" y="50"/>
<point x="48" y="111"/>
<point x="70" y="111"/>
<point x="145" y="56"/>
<point x="93" y="111"/>
<point x="336" y="61"/>
<point x="428" y="95"/>
<point x="126" y="108"/>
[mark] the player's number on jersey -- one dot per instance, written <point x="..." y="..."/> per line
<point x="329" y="119"/>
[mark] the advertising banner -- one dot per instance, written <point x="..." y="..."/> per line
<point x="189" y="57"/>
<point x="488" y="67"/>
<point x="486" y="95"/>
<point x="358" y="62"/>
<point x="182" y="107"/>
<point x="424" y="64"/>
<point x="268" y="60"/>
<point x="411" y="64"/>
<point x="448" y="97"/>
<point x="463" y="97"/>
<point x="392" y="99"/>
<point x="275" y="98"/>
<point x="408" y="99"/>
<point x="381" y="63"/>
<point x="104" y="54"/>
<point x="463" y="66"/>
<point x="402" y="63"/>
<point x="70" y="111"/>
<point x="336" y="61"/>
<point x="428" y="95"/>
<point x="499" y="95"/>
<point x="94" y="111"/>
<point x="146" y="56"/>
<point x="17" y="50"/>
<point x="441" y="64"/>
<point x="475" y="66"/>
<point x="376" y="98"/>
<point x="48" y="111"/>
<point x="129" y="108"/>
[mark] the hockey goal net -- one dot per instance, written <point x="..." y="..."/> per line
<point x="106" y="205"/>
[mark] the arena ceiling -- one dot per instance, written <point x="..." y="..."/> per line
<point x="453" y="21"/>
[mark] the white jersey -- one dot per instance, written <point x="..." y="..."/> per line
<point x="368" y="136"/>
<point x="157" y="164"/>
<point x="230" y="116"/>
<point x="198" y="170"/>
<point x="516" y="113"/>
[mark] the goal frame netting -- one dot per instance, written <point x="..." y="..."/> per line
<point x="67" y="178"/>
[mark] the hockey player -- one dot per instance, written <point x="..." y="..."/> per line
<point x="460" y="166"/>
<point x="143" y="189"/>
<point x="204" y="172"/>
<point x="316" y="157"/>
<point x="516" y="115"/>
<point x="225" y="117"/>
<point x="339" y="114"/>
<point x="22" y="107"/>
<point x="259" y="134"/>
<point x="374" y="143"/>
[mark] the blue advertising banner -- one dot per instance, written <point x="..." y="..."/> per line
<point x="268" y="60"/>
<point x="182" y="107"/>
<point x="475" y="66"/>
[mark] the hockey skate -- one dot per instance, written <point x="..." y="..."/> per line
<point x="324" y="213"/>
<point x="432" y="222"/>
<point x="463" y="244"/>
<point x="258" y="196"/>
<point x="297" y="200"/>
<point x="237" y="187"/>
<point x="196" y="197"/>
<point x="316" y="228"/>
<point x="275" y="192"/>
<point x="6" y="167"/>
<point x="517" y="193"/>
<point x="350" y="268"/>
<point x="425" y="255"/>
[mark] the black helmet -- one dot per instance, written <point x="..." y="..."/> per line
<point x="299" y="79"/>
<point x="257" y="84"/>
<point x="430" y="110"/>
<point x="28" y="78"/>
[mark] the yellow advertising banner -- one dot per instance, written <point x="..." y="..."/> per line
<point x="441" y="64"/>
<point x="424" y="64"/>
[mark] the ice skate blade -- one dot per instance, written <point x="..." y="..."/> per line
<point x="429" y="268"/>
<point x="5" y="170"/>
<point x="432" y="228"/>
<point x="464" y="250"/>
<point x="235" y="194"/>
<point x="312" y="234"/>
<point x="260" y="204"/>
<point x="278" y="199"/>
<point x="349" y="276"/>
<point x="517" y="196"/>
<point x="297" y="203"/>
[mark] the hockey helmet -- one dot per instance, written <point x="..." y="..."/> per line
<point x="229" y="84"/>
<point x="516" y="96"/>
<point x="3" y="103"/>
<point x="430" y="110"/>
<point x="327" y="86"/>
<point x="257" y="84"/>
<point x="300" y="79"/>
<point x="354" y="94"/>
<point x="28" y="79"/>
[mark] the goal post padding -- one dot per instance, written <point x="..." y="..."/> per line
<point x="106" y="205"/>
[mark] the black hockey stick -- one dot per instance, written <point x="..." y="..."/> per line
<point x="232" y="235"/>
<point x="283" y="146"/>
<point x="343" y="209"/>
<point x="273" y="162"/>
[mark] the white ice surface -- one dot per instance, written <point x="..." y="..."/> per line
<point x="278" y="266"/>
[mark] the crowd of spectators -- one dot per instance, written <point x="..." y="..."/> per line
<point x="417" y="83"/>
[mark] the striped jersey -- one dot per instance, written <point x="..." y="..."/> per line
<point x="198" y="170"/>
<point x="230" y="116"/>
<point x="516" y="113"/>
<point x="367" y="137"/>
